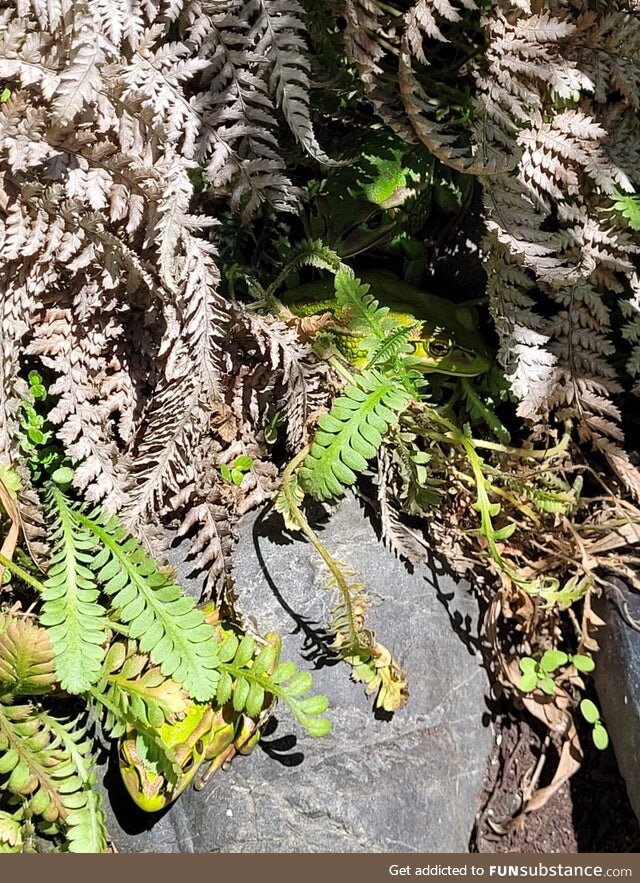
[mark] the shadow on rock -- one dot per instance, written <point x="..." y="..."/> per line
<point x="317" y="639"/>
<point x="463" y="626"/>
<point x="280" y="748"/>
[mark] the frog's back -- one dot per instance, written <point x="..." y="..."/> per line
<point x="392" y="292"/>
<point x="397" y="294"/>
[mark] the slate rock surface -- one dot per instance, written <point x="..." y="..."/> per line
<point x="407" y="783"/>
<point x="617" y="677"/>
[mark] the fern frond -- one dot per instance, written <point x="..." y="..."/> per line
<point x="392" y="347"/>
<point x="80" y="81"/>
<point x="371" y="662"/>
<point x="381" y="676"/>
<point x="279" y="37"/>
<point x="85" y="824"/>
<point x="351" y="433"/>
<point x="290" y="381"/>
<point x="36" y="760"/>
<point x="556" y="502"/>
<point x="479" y="408"/>
<point x="359" y="309"/>
<point x="27" y="664"/>
<point x="288" y="510"/>
<point x="310" y="253"/>
<point x="354" y="642"/>
<point x="11" y="834"/>
<point x="165" y="622"/>
<point x="136" y="694"/>
<point x="253" y="676"/>
<point x="629" y="207"/>
<point x="71" y="612"/>
<point x="418" y="490"/>
<point x="237" y="140"/>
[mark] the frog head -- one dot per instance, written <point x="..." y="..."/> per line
<point x="203" y="735"/>
<point x="451" y="349"/>
<point x="445" y="339"/>
<point x="444" y="335"/>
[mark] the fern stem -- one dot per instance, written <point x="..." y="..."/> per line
<point x="21" y="574"/>
<point x="306" y="529"/>
<point x="527" y="453"/>
<point x="500" y="492"/>
<point x="335" y="363"/>
<point x="456" y="437"/>
<point x="391" y="10"/>
<point x="482" y="484"/>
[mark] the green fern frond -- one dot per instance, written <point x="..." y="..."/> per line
<point x="359" y="309"/>
<point x="348" y="615"/>
<point x="419" y="489"/>
<point x="85" y="826"/>
<point x="351" y="433"/>
<point x="628" y="204"/>
<point x="390" y="348"/>
<point x="310" y="253"/>
<point x="35" y="765"/>
<point x="11" y="834"/>
<point x="71" y="613"/>
<point x="136" y="694"/>
<point x="354" y="642"/>
<point x="27" y="664"/>
<point x="480" y="410"/>
<point x="552" y="494"/>
<point x="252" y="678"/>
<point x="166" y="623"/>
<point x="384" y="339"/>
<point x="372" y="664"/>
<point x="553" y="502"/>
<point x="282" y="505"/>
<point x="381" y="676"/>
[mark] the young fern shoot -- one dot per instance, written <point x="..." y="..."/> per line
<point x="372" y="663"/>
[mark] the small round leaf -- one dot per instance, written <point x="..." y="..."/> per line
<point x="583" y="663"/>
<point x="528" y="682"/>
<point x="600" y="736"/>
<point x="528" y="665"/>
<point x="589" y="711"/>
<point x="63" y="475"/>
<point x="553" y="659"/>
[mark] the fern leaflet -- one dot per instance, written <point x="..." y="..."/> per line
<point x="75" y="620"/>
<point x="310" y="253"/>
<point x="351" y="433"/>
<point x="141" y="695"/>
<point x="85" y="823"/>
<point x="251" y="675"/>
<point x="165" y="621"/>
<point x="27" y="666"/>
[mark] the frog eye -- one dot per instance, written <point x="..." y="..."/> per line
<point x="439" y="347"/>
<point x="198" y="751"/>
<point x="124" y="754"/>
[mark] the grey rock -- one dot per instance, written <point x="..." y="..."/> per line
<point x="617" y="678"/>
<point x="405" y="783"/>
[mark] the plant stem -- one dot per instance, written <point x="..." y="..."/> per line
<point x="527" y="453"/>
<point x="21" y="573"/>
<point x="306" y="529"/>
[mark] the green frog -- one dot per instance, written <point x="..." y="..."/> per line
<point x="380" y="189"/>
<point x="204" y="734"/>
<point x="445" y="338"/>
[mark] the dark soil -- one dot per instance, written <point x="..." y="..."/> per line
<point x="589" y="813"/>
